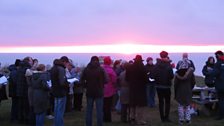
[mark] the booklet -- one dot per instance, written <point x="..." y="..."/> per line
<point x="72" y="80"/>
<point x="3" y="80"/>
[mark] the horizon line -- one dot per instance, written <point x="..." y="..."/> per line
<point x="114" y="48"/>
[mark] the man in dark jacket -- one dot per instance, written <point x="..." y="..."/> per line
<point x="22" y="92"/>
<point x="150" y="90"/>
<point x="12" y="89"/>
<point x="59" y="90"/>
<point x="218" y="73"/>
<point x="163" y="75"/>
<point x="136" y="76"/>
<point x="93" y="79"/>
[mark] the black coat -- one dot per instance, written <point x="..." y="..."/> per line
<point x="93" y="78"/>
<point x="59" y="81"/>
<point x="150" y="69"/>
<point x="40" y="92"/>
<point x="163" y="74"/>
<point x="209" y="79"/>
<point x="12" y="80"/>
<point x="136" y="76"/>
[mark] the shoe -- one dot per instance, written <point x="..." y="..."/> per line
<point x="50" y="117"/>
<point x="188" y="122"/>
<point x="219" y="118"/>
<point x="181" y="123"/>
<point x="168" y="120"/>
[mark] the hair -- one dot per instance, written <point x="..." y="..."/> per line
<point x="17" y="62"/>
<point x="41" y="67"/>
<point x="94" y="58"/>
<point x="64" y="59"/>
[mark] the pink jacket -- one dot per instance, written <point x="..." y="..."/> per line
<point x="110" y="87"/>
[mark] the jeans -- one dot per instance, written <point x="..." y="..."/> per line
<point x="40" y="119"/>
<point x="164" y="101"/>
<point x="99" y="111"/>
<point x="107" y="106"/>
<point x="151" y="92"/>
<point x="59" y="110"/>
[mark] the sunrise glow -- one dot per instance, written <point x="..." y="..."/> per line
<point x="117" y="48"/>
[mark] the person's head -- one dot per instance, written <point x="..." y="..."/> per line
<point x="163" y="55"/>
<point x="211" y="60"/>
<point x="41" y="67"/>
<point x="218" y="54"/>
<point x="138" y="58"/>
<point x="107" y="61"/>
<point x="57" y="62"/>
<point x="17" y="62"/>
<point x="29" y="60"/>
<point x="94" y="59"/>
<point x="149" y="60"/>
<point x="65" y="61"/>
<point x="117" y="64"/>
<point x="185" y="55"/>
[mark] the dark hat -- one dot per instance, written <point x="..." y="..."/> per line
<point x="107" y="60"/>
<point x="94" y="58"/>
<point x="138" y="58"/>
<point x="149" y="59"/>
<point x="163" y="54"/>
<point x="219" y="52"/>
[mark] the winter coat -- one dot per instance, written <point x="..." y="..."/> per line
<point x="22" y="86"/>
<point x="183" y="86"/>
<point x="40" y="92"/>
<point x="218" y="73"/>
<point x="163" y="74"/>
<point x="124" y="89"/>
<point x="136" y="76"/>
<point x="93" y="78"/>
<point x="12" y="80"/>
<point x="209" y="79"/>
<point x="59" y="81"/>
<point x="110" y="86"/>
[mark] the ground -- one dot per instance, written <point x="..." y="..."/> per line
<point x="151" y="114"/>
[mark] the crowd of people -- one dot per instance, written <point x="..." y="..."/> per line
<point x="128" y="87"/>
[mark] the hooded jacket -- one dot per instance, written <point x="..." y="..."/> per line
<point x="218" y="73"/>
<point x="40" y="92"/>
<point x="209" y="79"/>
<point x="183" y="85"/>
<point x="110" y="86"/>
<point x="93" y="78"/>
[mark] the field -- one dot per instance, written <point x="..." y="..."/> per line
<point x="151" y="114"/>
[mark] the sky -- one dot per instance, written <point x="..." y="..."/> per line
<point x="100" y="22"/>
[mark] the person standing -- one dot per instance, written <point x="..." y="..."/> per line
<point x="136" y="76"/>
<point x="93" y="78"/>
<point x="59" y="90"/>
<point x="209" y="66"/>
<point x="40" y="93"/>
<point x="163" y="75"/>
<point x="12" y="89"/>
<point x="109" y="89"/>
<point x="183" y="82"/>
<point x="151" y="89"/>
<point x="218" y="73"/>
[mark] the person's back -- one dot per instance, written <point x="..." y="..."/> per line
<point x="58" y="79"/>
<point x="94" y="78"/>
<point x="163" y="73"/>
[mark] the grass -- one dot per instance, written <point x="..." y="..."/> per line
<point x="151" y="115"/>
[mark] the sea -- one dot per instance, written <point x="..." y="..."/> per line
<point x="82" y="59"/>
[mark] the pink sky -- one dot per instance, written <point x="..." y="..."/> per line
<point x="88" y="22"/>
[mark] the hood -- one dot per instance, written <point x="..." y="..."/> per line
<point x="12" y="67"/>
<point x="24" y="64"/>
<point x="221" y="58"/>
<point x="184" y="73"/>
<point x="36" y="74"/>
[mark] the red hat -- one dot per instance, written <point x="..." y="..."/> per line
<point x="107" y="60"/>
<point x="163" y="54"/>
